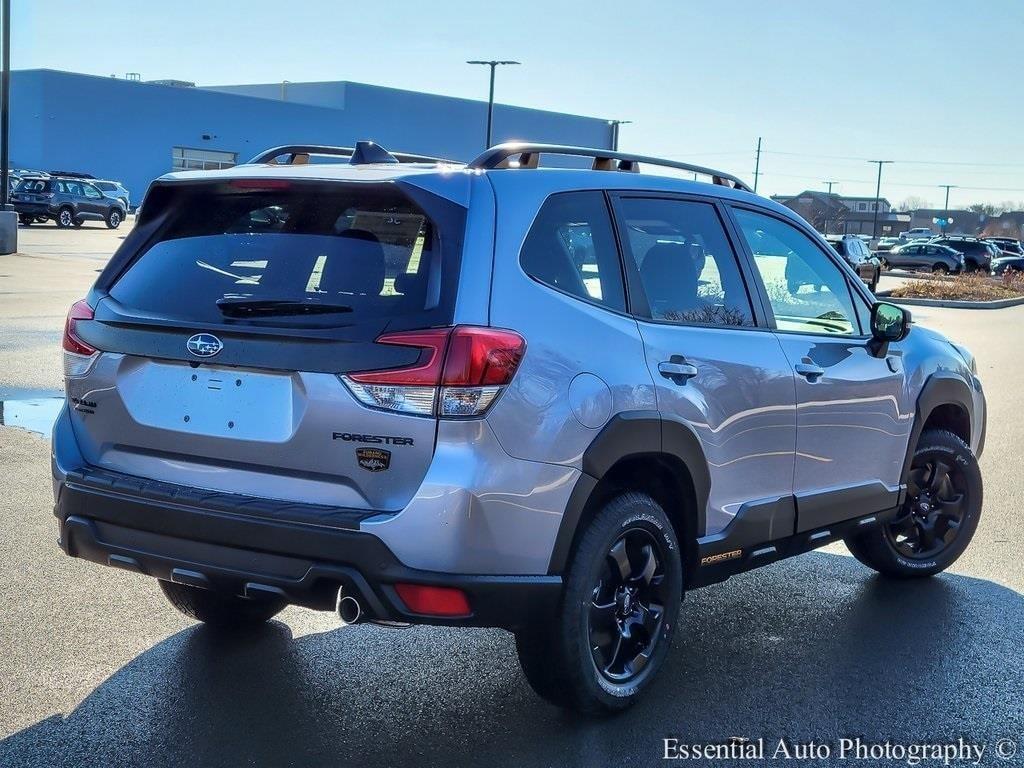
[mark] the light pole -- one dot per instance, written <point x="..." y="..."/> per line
<point x="5" y="108"/>
<point x="493" y="64"/>
<point x="615" y="132"/>
<point x="878" y="192"/>
<point x="8" y="217"/>
<point x="945" y="208"/>
<point x="828" y="205"/>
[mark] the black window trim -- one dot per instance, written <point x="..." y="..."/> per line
<point x="855" y="286"/>
<point x="640" y="309"/>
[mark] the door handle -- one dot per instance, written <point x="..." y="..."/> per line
<point x="678" y="372"/>
<point x="810" y="371"/>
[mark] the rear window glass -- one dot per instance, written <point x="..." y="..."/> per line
<point x="33" y="185"/>
<point x="366" y="250"/>
<point x="106" y="186"/>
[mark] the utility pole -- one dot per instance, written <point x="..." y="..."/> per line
<point x="878" y="193"/>
<point x="757" y="164"/>
<point x="945" y="208"/>
<point x="615" y="132"/>
<point x="828" y="207"/>
<point x="493" y="64"/>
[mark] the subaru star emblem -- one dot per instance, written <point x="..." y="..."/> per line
<point x="204" y="345"/>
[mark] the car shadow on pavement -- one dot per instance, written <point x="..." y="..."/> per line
<point x="814" y="648"/>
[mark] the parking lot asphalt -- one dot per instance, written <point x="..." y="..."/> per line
<point x="97" y="669"/>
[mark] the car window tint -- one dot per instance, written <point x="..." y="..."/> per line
<point x="571" y="247"/>
<point x="687" y="267"/>
<point x="807" y="291"/>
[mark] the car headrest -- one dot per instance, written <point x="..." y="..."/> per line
<point x="358" y="267"/>
<point x="670" y="278"/>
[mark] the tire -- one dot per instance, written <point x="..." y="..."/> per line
<point x="65" y="218"/>
<point x="26" y="221"/>
<point x="621" y="622"/>
<point x="873" y="286"/>
<point x="940" y="269"/>
<point x="218" y="610"/>
<point x="881" y="548"/>
<point x="114" y="218"/>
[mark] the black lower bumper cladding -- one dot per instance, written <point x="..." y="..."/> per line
<point x="147" y="531"/>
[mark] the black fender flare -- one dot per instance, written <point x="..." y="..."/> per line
<point x="631" y="433"/>
<point x="941" y="388"/>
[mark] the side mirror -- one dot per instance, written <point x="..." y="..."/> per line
<point x="888" y="323"/>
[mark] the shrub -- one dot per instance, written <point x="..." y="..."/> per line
<point x="975" y="286"/>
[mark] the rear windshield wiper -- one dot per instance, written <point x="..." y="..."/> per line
<point x="277" y="307"/>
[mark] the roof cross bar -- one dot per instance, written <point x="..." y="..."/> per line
<point x="298" y="154"/>
<point x="501" y="156"/>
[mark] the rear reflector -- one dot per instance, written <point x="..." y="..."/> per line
<point x="433" y="601"/>
<point x="78" y="355"/>
<point x="459" y="373"/>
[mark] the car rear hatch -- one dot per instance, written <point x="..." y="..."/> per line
<point x="228" y="322"/>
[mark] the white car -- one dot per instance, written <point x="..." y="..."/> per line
<point x="115" y="191"/>
<point x="917" y="233"/>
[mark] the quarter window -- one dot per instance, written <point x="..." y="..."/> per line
<point x="687" y="267"/>
<point x="808" y="292"/>
<point x="571" y="247"/>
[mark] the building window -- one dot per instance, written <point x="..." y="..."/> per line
<point x="862" y="206"/>
<point x="185" y="159"/>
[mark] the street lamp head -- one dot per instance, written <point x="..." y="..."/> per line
<point x="493" y="62"/>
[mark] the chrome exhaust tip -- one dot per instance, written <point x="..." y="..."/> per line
<point x="349" y="609"/>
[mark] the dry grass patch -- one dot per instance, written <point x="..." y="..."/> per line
<point x="975" y="286"/>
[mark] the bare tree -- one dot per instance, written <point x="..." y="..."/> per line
<point x="913" y="203"/>
<point x="987" y="209"/>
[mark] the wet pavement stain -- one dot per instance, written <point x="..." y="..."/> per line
<point x="35" y="414"/>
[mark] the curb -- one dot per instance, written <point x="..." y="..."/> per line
<point x="998" y="304"/>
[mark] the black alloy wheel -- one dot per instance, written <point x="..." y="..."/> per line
<point x="628" y="606"/>
<point x="933" y="512"/>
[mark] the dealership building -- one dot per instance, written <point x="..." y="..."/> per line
<point x="134" y="131"/>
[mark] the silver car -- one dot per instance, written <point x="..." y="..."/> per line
<point x="115" y="190"/>
<point x="548" y="400"/>
<point x="929" y="257"/>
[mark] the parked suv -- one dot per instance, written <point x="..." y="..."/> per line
<point x="917" y="233"/>
<point x="68" y="201"/>
<point x="926" y="256"/>
<point x="857" y="254"/>
<point x="488" y="395"/>
<point x="115" y="191"/>
<point x="978" y="254"/>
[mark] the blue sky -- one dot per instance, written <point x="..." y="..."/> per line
<point x="935" y="85"/>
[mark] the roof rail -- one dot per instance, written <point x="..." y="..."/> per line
<point x="363" y="152"/>
<point x="499" y="156"/>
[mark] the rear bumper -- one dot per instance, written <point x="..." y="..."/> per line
<point x="258" y="556"/>
<point x="33" y="209"/>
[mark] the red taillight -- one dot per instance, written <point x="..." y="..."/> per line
<point x="433" y="601"/>
<point x="460" y="372"/>
<point x="480" y="357"/>
<point x="426" y="371"/>
<point x="80" y="310"/>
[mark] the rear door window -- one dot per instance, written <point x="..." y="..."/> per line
<point x="363" y="251"/>
<point x="685" y="262"/>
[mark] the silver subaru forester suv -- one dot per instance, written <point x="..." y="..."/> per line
<point x="498" y="394"/>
